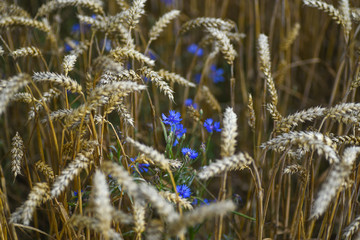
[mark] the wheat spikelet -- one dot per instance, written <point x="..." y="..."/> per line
<point x="26" y="51"/>
<point x="105" y="63"/>
<point x="38" y="194"/>
<point x="233" y="162"/>
<point x="251" y="113"/>
<point x="345" y="16"/>
<point x="123" y="75"/>
<point x="198" y="215"/>
<point x="224" y="25"/>
<point x="286" y="123"/>
<point x="155" y="230"/>
<point x="53" y="5"/>
<point x="45" y="169"/>
<point x="120" y="53"/>
<point x="171" y="197"/>
<point x="17" y="154"/>
<point x="24" y="21"/>
<point x="355" y="82"/>
<point x="100" y="202"/>
<point x="297" y="169"/>
<point x="194" y="114"/>
<point x="10" y="87"/>
<point x="58" y="115"/>
<point x="158" y="158"/>
<point x="355" y="14"/>
<point x="306" y="140"/>
<point x="122" y="4"/>
<point x="265" y="66"/>
<point x="275" y="115"/>
<point x="346" y="140"/>
<point x="163" y="208"/>
<point x="47" y="97"/>
<point x="22" y="97"/>
<point x="68" y="63"/>
<point x="225" y="46"/>
<point x="100" y="23"/>
<point x="334" y="181"/>
<point x="330" y="9"/>
<point x="173" y="77"/>
<point x="139" y="218"/>
<point x="351" y="229"/>
<point x="345" y="112"/>
<point x="290" y="37"/>
<point x="161" y="24"/>
<point x="122" y="177"/>
<point x="135" y="12"/>
<point x="124" y="114"/>
<point x="81" y="161"/>
<point x="210" y="99"/>
<point x="59" y="79"/>
<point x="157" y="80"/>
<point x="13" y="10"/>
<point x="229" y="133"/>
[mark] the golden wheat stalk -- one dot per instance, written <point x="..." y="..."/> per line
<point x="234" y="162"/>
<point x="290" y="37"/>
<point x="38" y="194"/>
<point x="10" y="87"/>
<point x="210" y="99"/>
<point x="58" y="79"/>
<point x="22" y="97"/>
<point x="158" y="158"/>
<point x="123" y="75"/>
<point x="94" y="5"/>
<point x="171" y="197"/>
<point x="351" y="229"/>
<point x="306" y="140"/>
<point x="47" y="97"/>
<point x="13" y="10"/>
<point x="24" y="21"/>
<point x="81" y="161"/>
<point x="198" y="215"/>
<point x="229" y="133"/>
<point x="58" y="115"/>
<point x="346" y="140"/>
<point x="120" y="53"/>
<point x="124" y="114"/>
<point x="297" y="169"/>
<point x="155" y="78"/>
<point x="265" y="67"/>
<point x="135" y="12"/>
<point x="162" y="23"/>
<point x="173" y="77"/>
<point x="293" y="120"/>
<point x="26" y="51"/>
<point x="251" y="113"/>
<point x="139" y="218"/>
<point x="225" y="46"/>
<point x="224" y="25"/>
<point x="17" y="154"/>
<point x="69" y="63"/>
<point x="275" y="115"/>
<point x="334" y="181"/>
<point x="45" y="169"/>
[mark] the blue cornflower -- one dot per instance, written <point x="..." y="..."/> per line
<point x="173" y="118"/>
<point x="184" y="191"/>
<point x="216" y="74"/>
<point x="179" y="131"/>
<point x="189" y="152"/>
<point x="152" y="56"/>
<point x="194" y="49"/>
<point x="168" y="2"/>
<point x="210" y="127"/>
<point x="143" y="167"/>
<point x="69" y="47"/>
<point x="197" y="78"/>
<point x="189" y="102"/>
<point x="75" y="28"/>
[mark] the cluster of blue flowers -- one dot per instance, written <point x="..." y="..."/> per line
<point x="194" y="49"/>
<point x="216" y="74"/>
<point x="189" y="102"/>
<point x="183" y="190"/>
<point x="212" y="126"/>
<point x="175" y="126"/>
<point x="142" y="167"/>
<point x="192" y="154"/>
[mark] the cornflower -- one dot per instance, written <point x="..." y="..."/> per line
<point x="194" y="49"/>
<point x="172" y="119"/>
<point x="143" y="167"/>
<point x="184" y="191"/>
<point x="192" y="154"/>
<point x="211" y="126"/>
<point x="216" y="74"/>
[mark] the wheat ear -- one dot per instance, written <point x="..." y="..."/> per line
<point x="17" y="154"/>
<point x="38" y="194"/>
<point x="47" y="97"/>
<point x="226" y="47"/>
<point x="45" y="169"/>
<point x="176" y="199"/>
<point x="198" y="215"/>
<point x="210" y="99"/>
<point x="120" y="53"/>
<point x="290" y="37"/>
<point x="233" y="162"/>
<point x="81" y="161"/>
<point x="157" y="80"/>
<point x="351" y="229"/>
<point x="24" y="21"/>
<point x="59" y="79"/>
<point x="229" y="133"/>
<point x="69" y="63"/>
<point x="225" y="25"/>
<point x="173" y="77"/>
<point x="22" y="97"/>
<point x="135" y="12"/>
<point x="139" y="218"/>
<point x="162" y="23"/>
<point x="53" y="5"/>
<point x="306" y="140"/>
<point x="26" y="51"/>
<point x="334" y="181"/>
<point x="265" y="66"/>
<point x="251" y="113"/>
<point x="10" y="87"/>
